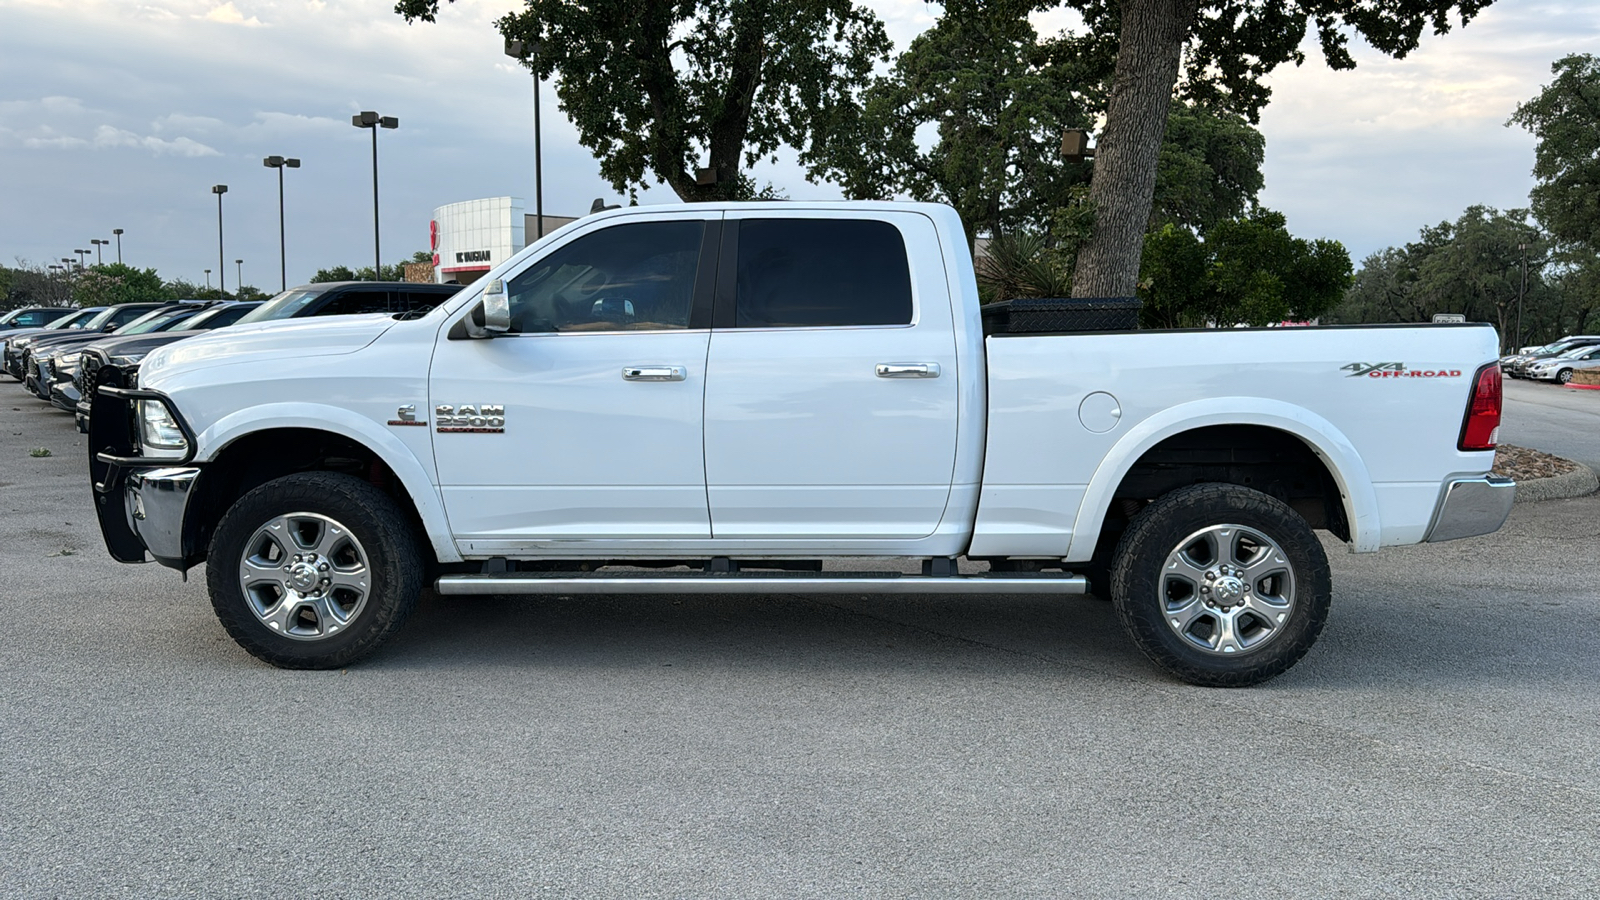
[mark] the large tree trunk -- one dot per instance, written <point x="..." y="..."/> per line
<point x="1152" y="34"/>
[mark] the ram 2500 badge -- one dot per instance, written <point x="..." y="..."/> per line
<point x="715" y="398"/>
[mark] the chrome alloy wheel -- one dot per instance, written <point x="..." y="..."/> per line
<point x="305" y="576"/>
<point x="1227" y="589"/>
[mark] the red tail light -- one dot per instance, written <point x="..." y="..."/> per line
<point x="1481" y="430"/>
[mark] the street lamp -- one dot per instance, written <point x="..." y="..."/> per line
<point x="525" y="51"/>
<point x="1523" y="289"/>
<point x="369" y="119"/>
<point x="240" y="271"/>
<point x="219" y="190"/>
<point x="99" y="260"/>
<point x="280" y="163"/>
<point x="82" y="255"/>
<point x="118" y="233"/>
<point x="208" y="279"/>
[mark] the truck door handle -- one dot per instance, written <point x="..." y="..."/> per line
<point x="908" y="370"/>
<point x="654" y="373"/>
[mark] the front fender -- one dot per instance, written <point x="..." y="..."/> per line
<point x="376" y="437"/>
<point x="1325" y="440"/>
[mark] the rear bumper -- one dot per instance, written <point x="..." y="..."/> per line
<point x="1472" y="506"/>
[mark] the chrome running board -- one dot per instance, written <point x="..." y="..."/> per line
<point x="759" y="583"/>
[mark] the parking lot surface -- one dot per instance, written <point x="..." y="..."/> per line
<point x="1443" y="739"/>
<point x="1560" y="420"/>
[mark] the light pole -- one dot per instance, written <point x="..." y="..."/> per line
<point x="369" y="119"/>
<point x="240" y="271"/>
<point x="280" y="163"/>
<point x="82" y="255"/>
<point x="525" y="51"/>
<point x="118" y="233"/>
<point x="222" y="281"/>
<point x="1523" y="289"/>
<point x="208" y="279"/>
<point x="99" y="259"/>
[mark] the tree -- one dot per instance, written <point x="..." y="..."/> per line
<point x="1209" y="169"/>
<point x="1214" y="52"/>
<point x="33" y="285"/>
<point x="996" y="97"/>
<point x="665" y="89"/>
<point x="1565" y="118"/>
<point x="1248" y="271"/>
<point x="113" y="283"/>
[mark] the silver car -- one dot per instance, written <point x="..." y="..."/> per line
<point x="1559" y="369"/>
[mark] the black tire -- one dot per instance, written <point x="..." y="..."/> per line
<point x="378" y="535"/>
<point x="1149" y="596"/>
<point x="1564" y="376"/>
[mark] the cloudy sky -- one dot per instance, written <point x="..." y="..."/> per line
<point x="123" y="113"/>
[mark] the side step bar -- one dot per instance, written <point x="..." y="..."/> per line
<point x="759" y="583"/>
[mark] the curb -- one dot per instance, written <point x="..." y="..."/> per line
<point x="1559" y="487"/>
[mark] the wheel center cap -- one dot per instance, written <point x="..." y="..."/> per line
<point x="1228" y="589"/>
<point x="303" y="576"/>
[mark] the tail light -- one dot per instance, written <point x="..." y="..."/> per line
<point x="1481" y="429"/>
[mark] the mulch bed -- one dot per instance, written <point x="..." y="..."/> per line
<point x="1522" y="464"/>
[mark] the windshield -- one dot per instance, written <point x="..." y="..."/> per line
<point x="100" y="318"/>
<point x="1577" y="351"/>
<point x="63" y="321"/>
<point x="158" y="320"/>
<point x="217" y="318"/>
<point x="283" y="306"/>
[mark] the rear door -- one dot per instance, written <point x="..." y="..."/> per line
<point x="831" y="382"/>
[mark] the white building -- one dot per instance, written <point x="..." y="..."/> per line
<point x="471" y="237"/>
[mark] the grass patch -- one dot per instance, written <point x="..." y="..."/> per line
<point x="39" y="452"/>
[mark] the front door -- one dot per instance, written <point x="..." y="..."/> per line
<point x="585" y="422"/>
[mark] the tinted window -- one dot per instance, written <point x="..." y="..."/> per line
<point x="808" y="272"/>
<point x="354" y="301"/>
<point x="286" y="305"/>
<point x="421" y="301"/>
<point x="34" y="318"/>
<point x="637" y="277"/>
<point x="216" y="318"/>
<point x="122" y="315"/>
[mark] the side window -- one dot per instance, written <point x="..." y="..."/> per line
<point x="123" y="316"/>
<point x="226" y="317"/>
<point x="421" y="301"/>
<point x="811" y="272"/>
<point x="353" y="302"/>
<point x="635" y="277"/>
<point x="30" y="319"/>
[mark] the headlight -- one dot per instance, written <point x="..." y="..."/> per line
<point x="66" y="362"/>
<point x="158" y="430"/>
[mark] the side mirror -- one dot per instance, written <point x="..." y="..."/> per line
<point x="496" y="308"/>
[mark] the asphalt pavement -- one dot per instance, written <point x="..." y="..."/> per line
<point x="1442" y="740"/>
<point x="1556" y="419"/>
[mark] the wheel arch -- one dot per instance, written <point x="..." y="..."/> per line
<point x="251" y="446"/>
<point x="1329" y="446"/>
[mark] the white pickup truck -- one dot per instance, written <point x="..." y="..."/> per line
<point x="718" y="398"/>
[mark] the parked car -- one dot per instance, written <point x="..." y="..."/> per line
<point x="1519" y="364"/>
<point x="743" y="389"/>
<point x="115" y="360"/>
<point x="45" y="361"/>
<point x="33" y="316"/>
<point x="1559" y="369"/>
<point x="344" y="298"/>
<point x="72" y="320"/>
<point x="107" y="320"/>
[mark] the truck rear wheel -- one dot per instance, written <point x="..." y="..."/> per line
<point x="1221" y="585"/>
<point x="313" y="570"/>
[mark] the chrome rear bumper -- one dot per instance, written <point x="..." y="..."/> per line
<point x="1472" y="506"/>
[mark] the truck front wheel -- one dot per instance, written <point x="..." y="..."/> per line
<point x="1221" y="585"/>
<point x="313" y="570"/>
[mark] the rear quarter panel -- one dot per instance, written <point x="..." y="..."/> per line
<point x="1381" y="405"/>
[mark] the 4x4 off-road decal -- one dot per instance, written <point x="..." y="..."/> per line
<point x="487" y="418"/>
<point x="1395" y="370"/>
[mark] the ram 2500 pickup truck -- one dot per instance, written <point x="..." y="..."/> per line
<point x="717" y="398"/>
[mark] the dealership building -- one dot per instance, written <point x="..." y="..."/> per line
<point x="471" y="237"/>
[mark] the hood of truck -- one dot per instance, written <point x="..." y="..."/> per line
<point x="287" y="339"/>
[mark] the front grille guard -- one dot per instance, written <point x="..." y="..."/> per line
<point x="113" y="452"/>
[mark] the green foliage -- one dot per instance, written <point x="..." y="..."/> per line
<point x="1247" y="271"/>
<point x="1565" y="118"/>
<point x="1020" y="264"/>
<point x="996" y="97"/>
<point x="658" y="90"/>
<point x="396" y="272"/>
<point x="337" y="273"/>
<point x="39" y="452"/>
<point x="113" y="283"/>
<point x="1474" y="266"/>
<point x="1209" y="170"/>
<point x="27" y="284"/>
